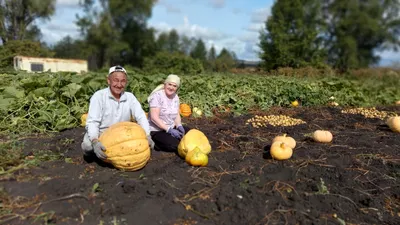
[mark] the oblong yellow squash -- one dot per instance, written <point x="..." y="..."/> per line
<point x="83" y="119"/>
<point x="194" y="139"/>
<point x="126" y="144"/>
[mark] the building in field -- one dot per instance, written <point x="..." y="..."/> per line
<point x="38" y="64"/>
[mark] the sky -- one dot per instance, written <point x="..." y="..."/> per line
<point x="233" y="24"/>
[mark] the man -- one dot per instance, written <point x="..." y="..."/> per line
<point x="109" y="106"/>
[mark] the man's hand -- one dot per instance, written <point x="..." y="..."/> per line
<point x="181" y="129"/>
<point x="99" y="149"/>
<point x="174" y="133"/>
<point x="151" y="142"/>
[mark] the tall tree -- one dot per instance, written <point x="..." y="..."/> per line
<point x="292" y="36"/>
<point x="225" y="61"/>
<point x="162" y="41"/>
<point x="173" y="41"/>
<point x="358" y="28"/>
<point x="70" y="49"/>
<point x="186" y="44"/>
<point x="118" y="32"/>
<point x="199" y="51"/>
<point x="17" y="16"/>
<point x="212" y="55"/>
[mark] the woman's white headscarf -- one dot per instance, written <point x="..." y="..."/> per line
<point x="172" y="78"/>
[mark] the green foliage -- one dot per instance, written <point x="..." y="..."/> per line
<point x="224" y="62"/>
<point x="292" y="36"/>
<point x="69" y="48"/>
<point x="55" y="101"/>
<point x="17" y="15"/>
<point x="359" y="28"/>
<point x="176" y="63"/>
<point x="117" y="33"/>
<point x="344" y="34"/>
<point x="199" y="51"/>
<point x="24" y="48"/>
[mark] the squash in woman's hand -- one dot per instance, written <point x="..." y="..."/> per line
<point x="196" y="158"/>
<point x="280" y="151"/>
<point x="394" y="123"/>
<point x="287" y="139"/>
<point x="193" y="139"/>
<point x="322" y="136"/>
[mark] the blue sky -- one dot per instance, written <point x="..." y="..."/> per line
<point x="233" y="24"/>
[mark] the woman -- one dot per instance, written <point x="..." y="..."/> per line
<point x="166" y="128"/>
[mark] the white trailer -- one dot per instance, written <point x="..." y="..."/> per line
<point x="38" y="64"/>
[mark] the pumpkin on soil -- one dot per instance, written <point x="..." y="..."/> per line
<point x="288" y="140"/>
<point x="126" y="144"/>
<point x="280" y="151"/>
<point x="196" y="158"/>
<point x="83" y="119"/>
<point x="193" y="139"/>
<point x="184" y="110"/>
<point x="394" y="123"/>
<point x="322" y="136"/>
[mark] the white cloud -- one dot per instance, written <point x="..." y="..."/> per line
<point x="67" y="3"/>
<point x="191" y="30"/>
<point x="255" y="27"/>
<point x="260" y="15"/>
<point x="217" y="3"/>
<point x="54" y="32"/>
<point x="245" y="47"/>
<point x="171" y="8"/>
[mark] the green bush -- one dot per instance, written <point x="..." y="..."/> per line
<point x="24" y="48"/>
<point x="176" y="63"/>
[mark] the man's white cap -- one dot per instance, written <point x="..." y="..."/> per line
<point x="116" y="69"/>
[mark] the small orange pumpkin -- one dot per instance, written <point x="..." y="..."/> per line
<point x="185" y="110"/>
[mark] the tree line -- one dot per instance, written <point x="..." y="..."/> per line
<point x="337" y="33"/>
<point x="343" y="34"/>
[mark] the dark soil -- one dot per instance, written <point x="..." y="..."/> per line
<point x="353" y="180"/>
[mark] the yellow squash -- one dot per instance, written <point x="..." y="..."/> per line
<point x="193" y="139"/>
<point x="197" y="112"/>
<point x="322" y="136"/>
<point x="280" y="151"/>
<point x="126" y="146"/>
<point x="83" y="119"/>
<point x="394" y="123"/>
<point x="196" y="158"/>
<point x="288" y="140"/>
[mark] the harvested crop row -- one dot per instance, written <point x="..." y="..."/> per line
<point x="273" y="120"/>
<point x="370" y="112"/>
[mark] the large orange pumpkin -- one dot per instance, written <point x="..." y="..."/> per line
<point x="185" y="110"/>
<point x="126" y="146"/>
